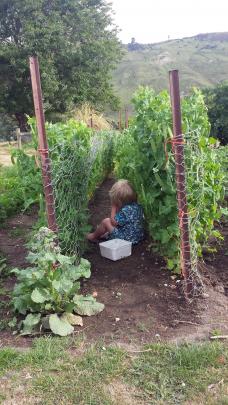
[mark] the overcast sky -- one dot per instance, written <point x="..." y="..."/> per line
<point x="154" y="20"/>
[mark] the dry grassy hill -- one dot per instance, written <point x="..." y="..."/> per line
<point x="202" y="61"/>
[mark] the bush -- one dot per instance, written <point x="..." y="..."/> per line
<point x="216" y="100"/>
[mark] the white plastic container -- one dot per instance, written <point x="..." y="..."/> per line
<point x="115" y="249"/>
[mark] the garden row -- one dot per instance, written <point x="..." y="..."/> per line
<point x="81" y="159"/>
<point x="144" y="156"/>
<point x="47" y="294"/>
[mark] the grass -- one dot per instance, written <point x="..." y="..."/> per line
<point x="66" y="371"/>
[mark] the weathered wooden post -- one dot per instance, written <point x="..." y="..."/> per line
<point x="43" y="145"/>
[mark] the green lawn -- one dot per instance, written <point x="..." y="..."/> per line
<point x="68" y="371"/>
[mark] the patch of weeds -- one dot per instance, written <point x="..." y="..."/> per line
<point x="216" y="332"/>
<point x="173" y="374"/>
<point x="4" y="305"/>
<point x="142" y="327"/>
<point x="17" y="232"/>
<point x="4" y="270"/>
<point x="3" y="291"/>
<point x="4" y="324"/>
<point x="9" y="358"/>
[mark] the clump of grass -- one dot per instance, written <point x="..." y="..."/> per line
<point x="89" y="115"/>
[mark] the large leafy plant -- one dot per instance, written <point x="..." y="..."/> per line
<point x="48" y="293"/>
<point x="143" y="154"/>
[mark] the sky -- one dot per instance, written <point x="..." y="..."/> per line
<point x="158" y="20"/>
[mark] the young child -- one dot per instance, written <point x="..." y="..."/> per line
<point x="126" y="220"/>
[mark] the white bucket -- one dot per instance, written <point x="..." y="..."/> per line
<point x="115" y="249"/>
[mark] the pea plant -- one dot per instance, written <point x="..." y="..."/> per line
<point x="143" y="154"/>
<point x="80" y="160"/>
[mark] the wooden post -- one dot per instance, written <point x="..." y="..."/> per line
<point x="43" y="145"/>
<point x="18" y="134"/>
<point x="126" y="118"/>
<point x="178" y="148"/>
<point x="120" y="120"/>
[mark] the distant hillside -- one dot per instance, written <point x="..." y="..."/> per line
<point x="202" y="61"/>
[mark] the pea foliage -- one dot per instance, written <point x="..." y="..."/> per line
<point x="143" y="155"/>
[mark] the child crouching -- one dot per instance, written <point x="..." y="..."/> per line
<point x="126" y="221"/>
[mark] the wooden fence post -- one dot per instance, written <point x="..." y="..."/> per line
<point x="43" y="145"/>
<point x="178" y="148"/>
<point x="18" y="134"/>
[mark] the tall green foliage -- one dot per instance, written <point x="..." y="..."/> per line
<point x="143" y="155"/>
<point x="80" y="160"/>
<point x="77" y="46"/>
<point x="217" y="102"/>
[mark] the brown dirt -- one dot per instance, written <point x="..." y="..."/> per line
<point x="142" y="302"/>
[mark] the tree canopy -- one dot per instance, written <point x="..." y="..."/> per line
<point x="217" y="102"/>
<point x="77" y="46"/>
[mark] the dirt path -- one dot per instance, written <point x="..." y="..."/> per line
<point x="142" y="301"/>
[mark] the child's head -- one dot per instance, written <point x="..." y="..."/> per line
<point x="122" y="193"/>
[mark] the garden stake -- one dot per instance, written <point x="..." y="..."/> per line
<point x="43" y="145"/>
<point x="126" y="118"/>
<point x="120" y="120"/>
<point x="178" y="148"/>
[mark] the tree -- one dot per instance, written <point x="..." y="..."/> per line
<point x="217" y="102"/>
<point x="77" y="47"/>
<point x="134" y="46"/>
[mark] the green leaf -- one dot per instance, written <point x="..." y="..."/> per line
<point x="39" y="296"/>
<point x="29" y="322"/>
<point x="170" y="264"/>
<point x="62" y="286"/>
<point x="13" y="322"/>
<point x="87" y="305"/>
<point x="72" y="319"/>
<point x="60" y="327"/>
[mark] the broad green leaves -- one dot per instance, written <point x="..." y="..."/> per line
<point x="87" y="305"/>
<point x="59" y="326"/>
<point x="51" y="287"/>
<point x="29" y="323"/>
<point x="40" y="295"/>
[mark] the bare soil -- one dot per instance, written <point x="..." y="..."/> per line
<point x="143" y="301"/>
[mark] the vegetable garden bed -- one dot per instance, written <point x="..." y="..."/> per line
<point x="142" y="303"/>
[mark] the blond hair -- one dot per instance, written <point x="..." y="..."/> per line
<point x="122" y="193"/>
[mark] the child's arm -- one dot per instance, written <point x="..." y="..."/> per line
<point x="113" y="213"/>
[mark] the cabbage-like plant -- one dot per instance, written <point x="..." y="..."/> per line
<point x="48" y="292"/>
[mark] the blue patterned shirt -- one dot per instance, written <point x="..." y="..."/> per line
<point x="130" y="223"/>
